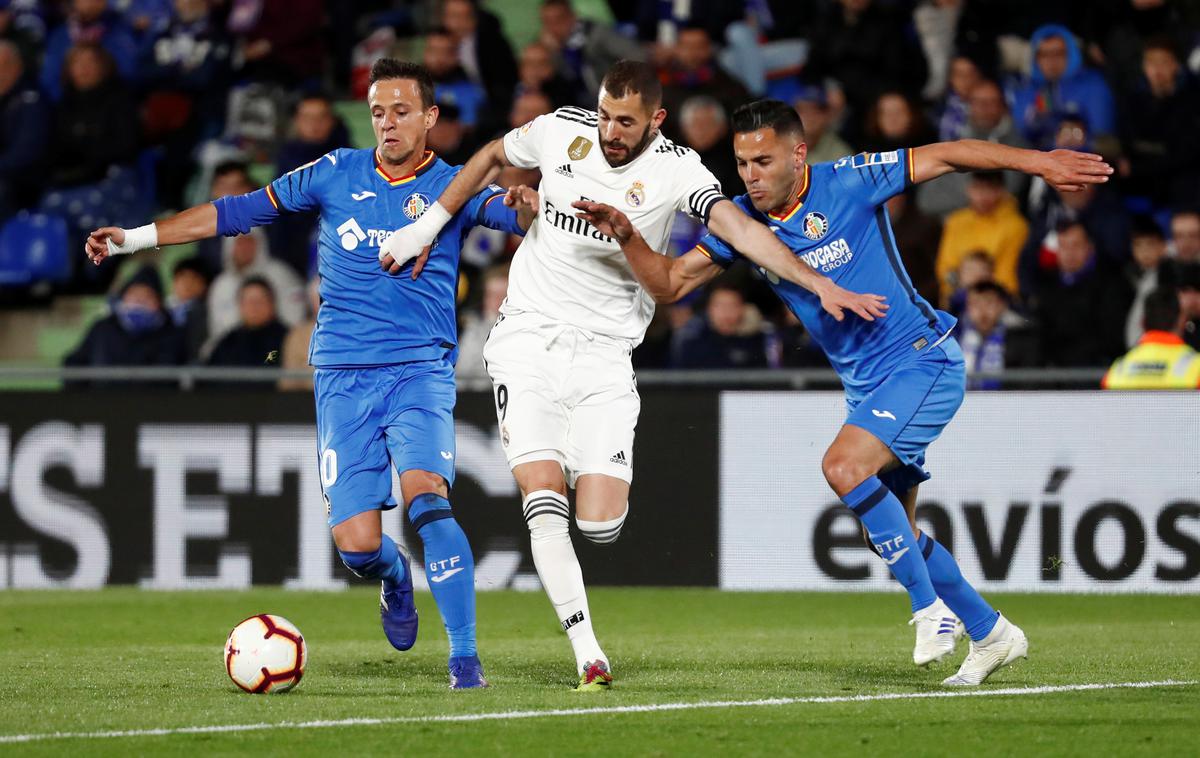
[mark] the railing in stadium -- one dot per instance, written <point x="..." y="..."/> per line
<point x="188" y="377"/>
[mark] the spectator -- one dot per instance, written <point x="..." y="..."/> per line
<point x="448" y="136"/>
<point x="298" y="340"/>
<point x="935" y="22"/>
<point x="705" y="129"/>
<point x="450" y="82"/>
<point x="1161" y="359"/>
<point x="92" y="129"/>
<point x="729" y="335"/>
<point x="991" y="223"/>
<point x="282" y="41"/>
<point x="1059" y="84"/>
<point x="527" y="106"/>
<point x="316" y="130"/>
<point x="992" y="336"/>
<point x="1185" y="236"/>
<point x="258" y="337"/>
<point x="893" y="122"/>
<point x="538" y="75"/>
<point x="24" y="121"/>
<point x="228" y="178"/>
<point x="21" y="23"/>
<point x="917" y="237"/>
<point x="1148" y="270"/>
<point x="694" y="71"/>
<point x="584" y="48"/>
<point x="987" y="119"/>
<point x="1187" y="275"/>
<point x="483" y="51"/>
<point x="1159" y="123"/>
<point x="188" y="304"/>
<point x="478" y="324"/>
<point x="977" y="267"/>
<point x="824" y="144"/>
<point x="1081" y="308"/>
<point x="138" y="332"/>
<point x="859" y="45"/>
<point x="89" y="22"/>
<point x="955" y="106"/>
<point x="247" y="256"/>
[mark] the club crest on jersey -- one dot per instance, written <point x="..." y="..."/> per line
<point x="815" y="225"/>
<point x="579" y="148"/>
<point x="636" y="195"/>
<point x="415" y="205"/>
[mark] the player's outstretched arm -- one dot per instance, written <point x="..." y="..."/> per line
<point x="1065" y="170"/>
<point x="666" y="279"/>
<point x="411" y="241"/>
<point x="757" y="243"/>
<point x="193" y="224"/>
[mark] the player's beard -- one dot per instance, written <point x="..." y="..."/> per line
<point x="634" y="152"/>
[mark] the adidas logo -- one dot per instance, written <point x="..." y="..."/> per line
<point x="619" y="458"/>
<point x="565" y="170"/>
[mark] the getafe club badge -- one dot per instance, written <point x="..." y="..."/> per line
<point x="579" y="148"/>
<point x="815" y="225"/>
<point x="415" y="205"/>
<point x="636" y="195"/>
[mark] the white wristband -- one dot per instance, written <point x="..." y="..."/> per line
<point x="141" y="238"/>
<point x="433" y="219"/>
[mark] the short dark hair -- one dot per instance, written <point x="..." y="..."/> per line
<point x="1162" y="310"/>
<point x="1145" y="226"/>
<point x="1068" y="224"/>
<point x="559" y="3"/>
<point x="768" y="114"/>
<point x="627" y="76"/>
<point x="990" y="287"/>
<point x="1161" y="42"/>
<point x="196" y="265"/>
<point x="390" y="68"/>
<point x="256" y="281"/>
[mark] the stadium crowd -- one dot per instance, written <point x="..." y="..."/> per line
<point x="114" y="111"/>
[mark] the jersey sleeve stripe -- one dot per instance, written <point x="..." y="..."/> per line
<point x="912" y="168"/>
<point x="592" y="122"/>
<point x="711" y="256"/>
<point x="271" y="196"/>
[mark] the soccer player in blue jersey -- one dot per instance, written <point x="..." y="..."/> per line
<point x="384" y="346"/>
<point x="903" y="375"/>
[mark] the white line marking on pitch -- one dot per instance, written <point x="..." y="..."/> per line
<point x="651" y="708"/>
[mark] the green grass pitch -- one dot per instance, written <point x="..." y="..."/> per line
<point x="123" y="659"/>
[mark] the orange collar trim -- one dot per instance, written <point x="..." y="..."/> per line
<point x="803" y="193"/>
<point x="1157" y="337"/>
<point x="421" y="168"/>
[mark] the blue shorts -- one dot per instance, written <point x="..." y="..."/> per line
<point x="909" y="410"/>
<point x="370" y="419"/>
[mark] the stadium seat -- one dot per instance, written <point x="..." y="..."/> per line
<point x="33" y="248"/>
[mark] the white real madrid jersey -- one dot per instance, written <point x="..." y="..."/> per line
<point x="565" y="269"/>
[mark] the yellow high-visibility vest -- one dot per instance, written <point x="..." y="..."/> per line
<point x="1160" y="361"/>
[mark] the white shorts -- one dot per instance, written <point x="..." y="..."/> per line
<point x="563" y="394"/>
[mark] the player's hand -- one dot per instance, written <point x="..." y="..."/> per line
<point x="400" y="247"/>
<point x="608" y="220"/>
<point x="1071" y="171"/>
<point x="836" y="301"/>
<point x="96" y="246"/>
<point x="521" y="198"/>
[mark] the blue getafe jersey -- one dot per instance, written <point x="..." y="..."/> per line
<point x="839" y="226"/>
<point x="369" y="317"/>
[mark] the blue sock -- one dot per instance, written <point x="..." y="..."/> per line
<point x="383" y="563"/>
<point x="450" y="568"/>
<point x="887" y="526"/>
<point x="977" y="616"/>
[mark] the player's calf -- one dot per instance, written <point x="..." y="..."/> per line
<point x="397" y="611"/>
<point x="450" y="568"/>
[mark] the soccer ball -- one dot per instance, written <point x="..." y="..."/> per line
<point x="265" y="653"/>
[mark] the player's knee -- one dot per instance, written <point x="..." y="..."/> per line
<point x="414" y="483"/>
<point x="546" y="514"/>
<point x="842" y="471"/>
<point x="603" y="532"/>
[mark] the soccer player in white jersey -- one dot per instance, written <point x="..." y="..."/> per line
<point x="559" y="356"/>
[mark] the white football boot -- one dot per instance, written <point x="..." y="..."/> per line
<point x="1003" y="645"/>
<point x="938" y="629"/>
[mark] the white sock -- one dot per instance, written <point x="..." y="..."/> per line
<point x="548" y="517"/>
